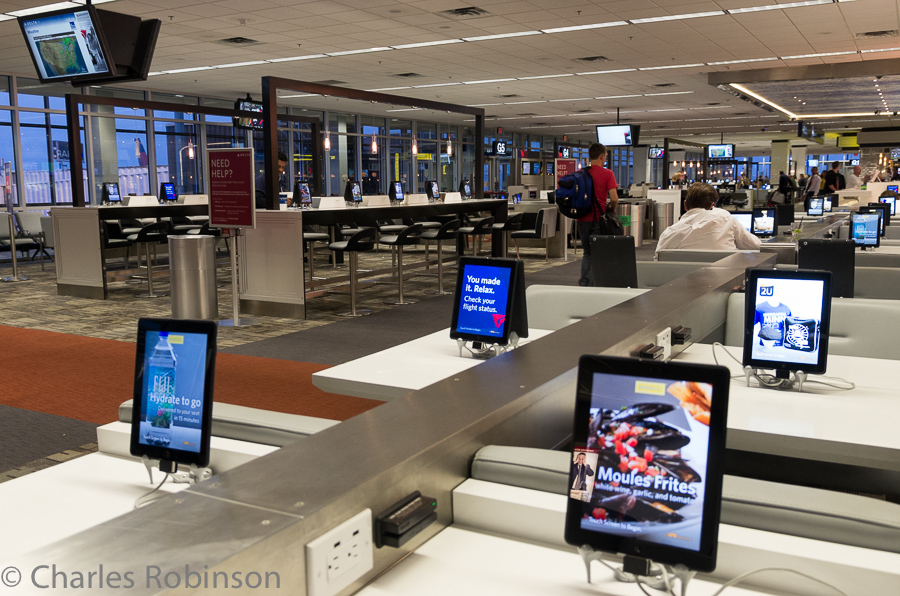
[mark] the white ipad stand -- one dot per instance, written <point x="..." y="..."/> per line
<point x="658" y="577"/>
<point x="195" y="475"/>
<point x="487" y="350"/>
<point x="777" y="381"/>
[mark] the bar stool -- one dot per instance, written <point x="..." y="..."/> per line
<point x="310" y="237"/>
<point x="362" y="240"/>
<point x="481" y="227"/>
<point x="407" y="237"/>
<point x="512" y="223"/>
<point x="156" y="233"/>
<point x="540" y="231"/>
<point x="445" y="232"/>
<point x="112" y="237"/>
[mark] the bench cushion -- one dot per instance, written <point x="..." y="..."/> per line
<point x="553" y="307"/>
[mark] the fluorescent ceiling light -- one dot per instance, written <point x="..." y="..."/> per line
<point x="435" y="85"/>
<point x="672" y="66"/>
<point x="352" y="52"/>
<point x="668" y="110"/>
<point x="45" y="8"/>
<point x="292" y="58"/>
<point x="405" y="110"/>
<point x="778" y="6"/>
<point x="575" y="99"/>
<point x="678" y="17"/>
<point x="554" y="76"/>
<point x="501" y="36"/>
<point x="711" y="108"/>
<point x="425" y="44"/>
<point x="237" y="64"/>
<point x="585" y="27"/>
<point x="598" y="72"/>
<point x="517" y="103"/>
<point x="617" y="96"/>
<point x="194" y="69"/>
<point x="881" y="50"/>
<point x="4" y="17"/>
<point x="293" y="96"/>
<point x="669" y="93"/>
<point x="389" y="89"/>
<point x="487" y="81"/>
<point x="818" y="55"/>
<point x="740" y="61"/>
<point x="746" y="91"/>
<point x="482" y="105"/>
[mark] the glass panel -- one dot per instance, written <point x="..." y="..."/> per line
<point x="259" y="155"/>
<point x="449" y="163"/>
<point x="342" y="123"/>
<point x="342" y="158"/>
<point x="425" y="130"/>
<point x="400" y="161"/>
<point x="177" y="156"/>
<point x="400" y="128"/>
<point x="6" y="155"/>
<point x="120" y="155"/>
<point x="33" y="94"/>
<point x="120" y="94"/>
<point x="427" y="163"/>
<point x="304" y="154"/>
<point x="468" y="157"/>
<point x="4" y="91"/>
<point x="36" y="165"/>
<point x="373" y="151"/>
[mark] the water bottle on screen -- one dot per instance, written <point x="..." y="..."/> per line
<point x="161" y="391"/>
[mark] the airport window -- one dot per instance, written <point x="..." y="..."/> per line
<point x="427" y="163"/>
<point x="177" y="156"/>
<point x="4" y="91"/>
<point x="400" y="128"/>
<point x="400" y="161"/>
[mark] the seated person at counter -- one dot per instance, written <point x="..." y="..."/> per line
<point x="705" y="226"/>
<point x="261" y="182"/>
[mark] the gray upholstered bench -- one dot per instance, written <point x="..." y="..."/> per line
<point x="254" y="425"/>
<point x="553" y="307"/>
<point x="785" y="509"/>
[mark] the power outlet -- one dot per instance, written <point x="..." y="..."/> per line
<point x="664" y="340"/>
<point x="339" y="557"/>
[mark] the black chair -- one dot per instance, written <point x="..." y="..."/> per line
<point x="183" y="225"/>
<point x="112" y="237"/>
<point x="538" y="232"/>
<point x="407" y="237"/>
<point x="362" y="240"/>
<point x="482" y="227"/>
<point x="512" y="224"/>
<point x="155" y="233"/>
<point x="447" y="231"/>
<point x="310" y="237"/>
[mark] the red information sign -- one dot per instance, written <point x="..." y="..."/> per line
<point x="564" y="167"/>
<point x="232" y="192"/>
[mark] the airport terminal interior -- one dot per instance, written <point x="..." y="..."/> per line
<point x="328" y="199"/>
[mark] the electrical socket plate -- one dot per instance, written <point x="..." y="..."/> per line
<point x="664" y="340"/>
<point x="339" y="557"/>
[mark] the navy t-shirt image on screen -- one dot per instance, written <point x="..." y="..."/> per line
<point x="483" y="300"/>
<point x="172" y="398"/>
<point x="787" y="323"/>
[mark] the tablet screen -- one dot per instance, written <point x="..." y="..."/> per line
<point x="764" y="222"/>
<point x="646" y="468"/>
<point x="744" y="219"/>
<point x="816" y="206"/>
<point x="865" y="228"/>
<point x="489" y="301"/>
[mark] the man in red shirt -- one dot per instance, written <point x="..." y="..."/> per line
<point x="605" y="199"/>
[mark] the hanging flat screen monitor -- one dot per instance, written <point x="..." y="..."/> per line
<point x="892" y="188"/>
<point x="745" y="218"/>
<point x="720" y="151"/>
<point x="618" y="135"/>
<point x="465" y="189"/>
<point x="173" y="390"/>
<point x="395" y="193"/>
<point x="865" y="229"/>
<point x="657" y="152"/>
<point x="890" y="202"/>
<point x="526" y="168"/>
<point x="110" y="193"/>
<point x="252" y="121"/>
<point x="786" y="319"/>
<point x="837" y="256"/>
<point x="68" y="45"/>
<point x="816" y="207"/>
<point x="647" y="460"/>
<point x="167" y="193"/>
<point x="489" y="301"/>
<point x="352" y="192"/>
<point x="763" y="223"/>
<point x="536" y="168"/>
<point x="433" y="190"/>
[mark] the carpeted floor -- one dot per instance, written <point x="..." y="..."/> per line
<point x="91" y="377"/>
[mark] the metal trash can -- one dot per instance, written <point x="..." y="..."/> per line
<point x="663" y="217"/>
<point x="192" y="264"/>
<point x="632" y="217"/>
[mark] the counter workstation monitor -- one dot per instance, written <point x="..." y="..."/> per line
<point x="885" y="213"/>
<point x="302" y="196"/>
<point x="395" y="192"/>
<point x="837" y="256"/>
<point x="489" y="302"/>
<point x="891" y="202"/>
<point x="865" y="229"/>
<point x="433" y="190"/>
<point x="465" y="189"/>
<point x="763" y="223"/>
<point x="167" y="194"/>
<point x="353" y="192"/>
<point x="816" y="207"/>
<point x="745" y="218"/>
<point x="110" y="194"/>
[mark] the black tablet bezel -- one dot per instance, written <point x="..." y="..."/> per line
<point x="751" y="283"/>
<point x="774" y="231"/>
<point x="510" y="264"/>
<point x="816" y="212"/>
<point x="853" y="215"/>
<point x="174" y="326"/>
<point x="703" y="559"/>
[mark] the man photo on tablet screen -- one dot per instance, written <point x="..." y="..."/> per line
<point x="581" y="470"/>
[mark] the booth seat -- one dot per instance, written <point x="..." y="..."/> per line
<point x="877" y="283"/>
<point x="859" y="326"/>
<point x="785" y="509"/>
<point x="652" y="274"/>
<point x="553" y="307"/>
<point x="253" y="425"/>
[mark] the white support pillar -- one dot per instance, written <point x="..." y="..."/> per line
<point x="799" y="155"/>
<point x="780" y="152"/>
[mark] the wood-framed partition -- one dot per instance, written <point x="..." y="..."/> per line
<point x="270" y="86"/>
